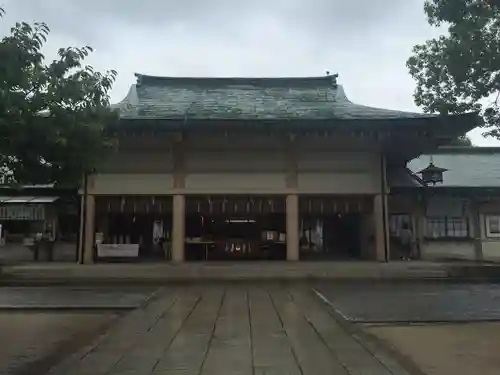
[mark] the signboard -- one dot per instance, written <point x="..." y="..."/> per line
<point x="31" y="212"/>
<point x="117" y="250"/>
<point x="99" y="238"/>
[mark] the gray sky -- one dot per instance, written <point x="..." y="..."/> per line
<point x="366" y="41"/>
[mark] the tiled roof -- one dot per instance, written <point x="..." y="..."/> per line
<point x="402" y="177"/>
<point x="313" y="98"/>
<point x="467" y="167"/>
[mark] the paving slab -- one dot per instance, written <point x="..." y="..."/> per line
<point x="272" y="350"/>
<point x="350" y="354"/>
<point x="100" y="356"/>
<point x="232" y="329"/>
<point x="150" y="346"/>
<point x="230" y="347"/>
<point x="188" y="350"/>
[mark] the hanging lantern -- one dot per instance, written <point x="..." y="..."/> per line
<point x="432" y="174"/>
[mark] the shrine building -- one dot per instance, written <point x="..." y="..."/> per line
<point x="213" y="169"/>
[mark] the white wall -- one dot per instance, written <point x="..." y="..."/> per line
<point x="330" y="172"/>
<point x="490" y="246"/>
<point x="131" y="184"/>
<point x="216" y="165"/>
<point x="235" y="161"/>
<point x="236" y="183"/>
<point x="491" y="250"/>
<point x="451" y="250"/>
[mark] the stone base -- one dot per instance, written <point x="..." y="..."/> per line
<point x="163" y="272"/>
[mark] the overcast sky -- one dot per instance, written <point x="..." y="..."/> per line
<point x="366" y="41"/>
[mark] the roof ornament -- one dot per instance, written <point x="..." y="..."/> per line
<point x="333" y="77"/>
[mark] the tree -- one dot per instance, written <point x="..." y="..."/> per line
<point x="462" y="141"/>
<point x="460" y="72"/>
<point x="52" y="115"/>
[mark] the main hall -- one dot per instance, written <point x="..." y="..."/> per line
<point x="212" y="169"/>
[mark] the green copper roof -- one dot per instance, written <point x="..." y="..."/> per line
<point x="467" y="167"/>
<point x="310" y="98"/>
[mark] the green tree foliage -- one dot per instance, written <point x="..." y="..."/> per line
<point x="52" y="114"/>
<point x="463" y="141"/>
<point x="460" y="71"/>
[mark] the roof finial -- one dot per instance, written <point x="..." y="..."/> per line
<point x="138" y="78"/>
<point x="333" y="77"/>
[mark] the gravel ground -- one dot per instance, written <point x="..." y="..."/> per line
<point x="33" y="342"/>
<point x="453" y="349"/>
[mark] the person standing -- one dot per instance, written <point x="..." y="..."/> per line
<point x="406" y="240"/>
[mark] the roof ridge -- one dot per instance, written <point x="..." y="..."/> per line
<point x="324" y="77"/>
<point x="472" y="150"/>
<point x="145" y="79"/>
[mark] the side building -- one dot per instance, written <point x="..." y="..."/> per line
<point x="458" y="218"/>
<point x="28" y="211"/>
<point x="251" y="168"/>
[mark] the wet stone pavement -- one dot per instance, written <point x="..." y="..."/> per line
<point x="229" y="329"/>
<point x="73" y="297"/>
<point x="414" y="302"/>
<point x="42" y="325"/>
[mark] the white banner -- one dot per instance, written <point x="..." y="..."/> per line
<point x="118" y="250"/>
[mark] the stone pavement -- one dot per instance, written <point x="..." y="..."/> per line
<point x="414" y="302"/>
<point x="105" y="273"/>
<point x="73" y="298"/>
<point x="229" y="329"/>
<point x="436" y="328"/>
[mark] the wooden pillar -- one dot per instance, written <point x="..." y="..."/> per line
<point x="381" y="227"/>
<point x="178" y="228"/>
<point x="89" y="241"/>
<point x="419" y="226"/>
<point x="292" y="227"/>
<point x="81" y="234"/>
<point x="381" y="215"/>
<point x="476" y="230"/>
<point x="179" y="201"/>
<point x="292" y="200"/>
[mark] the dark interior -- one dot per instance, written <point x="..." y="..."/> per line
<point x="330" y="237"/>
<point x="229" y="237"/>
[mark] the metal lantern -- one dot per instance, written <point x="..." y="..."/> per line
<point x="432" y="174"/>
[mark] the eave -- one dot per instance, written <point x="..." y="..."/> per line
<point x="469" y="191"/>
<point x="456" y="124"/>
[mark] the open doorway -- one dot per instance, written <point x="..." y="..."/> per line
<point x="235" y="228"/>
<point x="331" y="237"/>
<point x="133" y="228"/>
<point x="344" y="235"/>
<point x="331" y="227"/>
